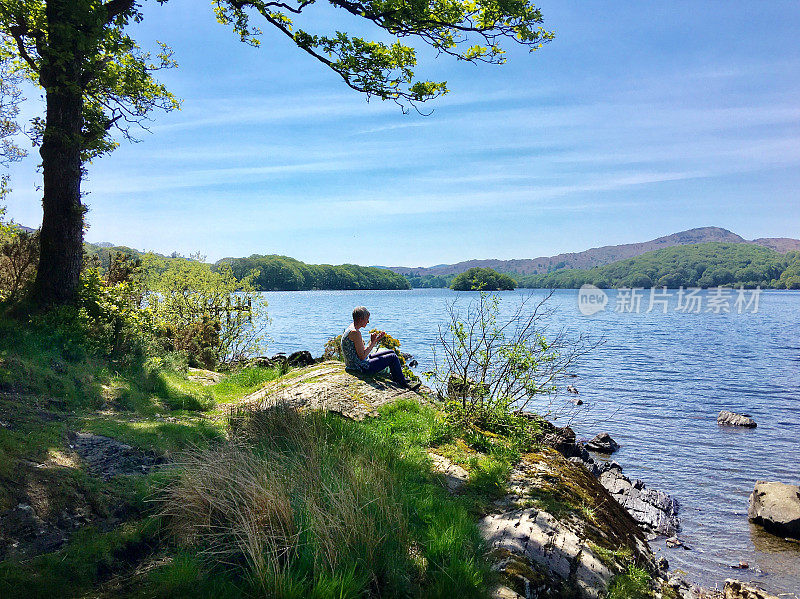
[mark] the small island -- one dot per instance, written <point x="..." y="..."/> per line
<point x="483" y="279"/>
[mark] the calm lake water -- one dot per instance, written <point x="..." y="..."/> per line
<point x="656" y="385"/>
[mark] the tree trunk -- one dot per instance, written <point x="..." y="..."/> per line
<point x="61" y="239"/>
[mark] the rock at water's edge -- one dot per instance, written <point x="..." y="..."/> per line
<point x="776" y="507"/>
<point x="651" y="508"/>
<point x="299" y="359"/>
<point x="543" y="554"/>
<point x="735" y="589"/>
<point x="603" y="443"/>
<point x="727" y="418"/>
<point x="656" y="511"/>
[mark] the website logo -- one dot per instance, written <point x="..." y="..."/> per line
<point x="591" y="300"/>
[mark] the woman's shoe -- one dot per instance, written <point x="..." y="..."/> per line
<point x="413" y="385"/>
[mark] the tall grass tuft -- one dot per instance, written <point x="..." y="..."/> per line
<point x="307" y="505"/>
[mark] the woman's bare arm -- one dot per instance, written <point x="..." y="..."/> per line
<point x="358" y="341"/>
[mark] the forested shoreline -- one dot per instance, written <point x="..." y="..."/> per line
<point x="281" y="273"/>
<point x="274" y="272"/>
<point x="699" y="265"/>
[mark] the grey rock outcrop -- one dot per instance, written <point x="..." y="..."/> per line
<point x="656" y="511"/>
<point x="542" y="541"/>
<point x="327" y="386"/>
<point x="682" y="589"/>
<point x="546" y="542"/>
<point x="603" y="443"/>
<point x="726" y="418"/>
<point x="651" y="508"/>
<point x="776" y="507"/>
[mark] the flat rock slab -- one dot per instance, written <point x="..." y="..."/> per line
<point x="550" y="544"/>
<point x="327" y="386"/>
<point x="557" y="544"/>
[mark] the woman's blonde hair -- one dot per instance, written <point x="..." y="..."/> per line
<point x="359" y="313"/>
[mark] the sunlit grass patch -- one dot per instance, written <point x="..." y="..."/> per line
<point x="633" y="583"/>
<point x="158" y="434"/>
<point x="242" y="382"/>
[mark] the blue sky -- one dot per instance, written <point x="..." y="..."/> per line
<point x="638" y="120"/>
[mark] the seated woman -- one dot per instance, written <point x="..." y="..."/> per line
<point x="356" y="356"/>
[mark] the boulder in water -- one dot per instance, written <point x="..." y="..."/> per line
<point x="776" y="507"/>
<point x="727" y="418"/>
<point x="603" y="443"/>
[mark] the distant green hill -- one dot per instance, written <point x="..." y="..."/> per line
<point x="104" y="251"/>
<point x="697" y="265"/>
<point x="281" y="273"/>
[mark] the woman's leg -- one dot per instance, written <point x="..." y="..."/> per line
<point x="381" y="361"/>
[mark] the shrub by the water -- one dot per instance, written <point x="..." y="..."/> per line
<point x="209" y="314"/>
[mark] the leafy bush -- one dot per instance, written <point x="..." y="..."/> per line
<point x="498" y="418"/>
<point x="333" y="349"/>
<point x="104" y="322"/>
<point x="207" y="313"/>
<point x="19" y="256"/>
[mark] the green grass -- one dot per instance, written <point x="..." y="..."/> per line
<point x="354" y="506"/>
<point x="186" y="575"/>
<point x="633" y="583"/>
<point x="242" y="382"/>
<point x="611" y="557"/>
<point x="162" y="436"/>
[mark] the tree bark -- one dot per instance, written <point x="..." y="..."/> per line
<point x="61" y="239"/>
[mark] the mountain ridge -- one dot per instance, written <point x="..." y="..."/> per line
<point x="600" y="256"/>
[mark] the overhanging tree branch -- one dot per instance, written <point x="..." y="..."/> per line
<point x="114" y="8"/>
